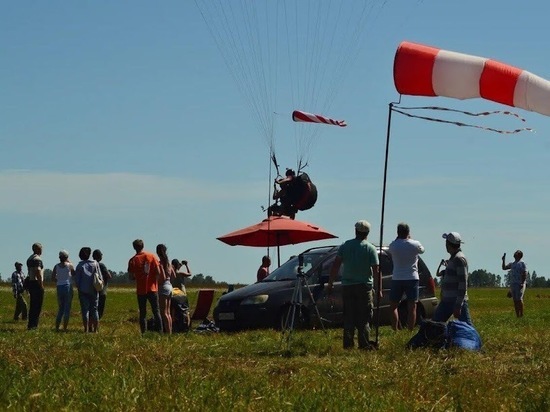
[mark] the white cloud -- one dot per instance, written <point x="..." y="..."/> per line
<point x="53" y="193"/>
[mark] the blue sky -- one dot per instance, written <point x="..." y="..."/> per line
<point x="120" y="120"/>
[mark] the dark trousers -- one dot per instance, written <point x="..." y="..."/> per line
<point x="20" y="307"/>
<point x="357" y="314"/>
<point x="153" y="299"/>
<point x="36" y="295"/>
<point x="101" y="305"/>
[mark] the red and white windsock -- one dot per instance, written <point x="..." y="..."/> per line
<point x="299" y="116"/>
<point x="421" y="70"/>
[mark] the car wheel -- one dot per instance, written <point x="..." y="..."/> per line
<point x="301" y="318"/>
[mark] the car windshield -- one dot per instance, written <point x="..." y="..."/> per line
<point x="289" y="269"/>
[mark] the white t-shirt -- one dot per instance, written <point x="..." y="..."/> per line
<point x="404" y="254"/>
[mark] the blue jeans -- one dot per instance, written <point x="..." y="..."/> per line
<point x="64" y="301"/>
<point x="445" y="309"/>
<point x="88" y="306"/>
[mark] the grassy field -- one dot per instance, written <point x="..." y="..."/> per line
<point x="118" y="369"/>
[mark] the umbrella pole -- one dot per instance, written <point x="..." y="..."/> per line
<point x="278" y="256"/>
<point x="380" y="283"/>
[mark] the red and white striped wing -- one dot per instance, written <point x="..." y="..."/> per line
<point x="428" y="71"/>
<point x="299" y="116"/>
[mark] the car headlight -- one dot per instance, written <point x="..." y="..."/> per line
<point x="255" y="300"/>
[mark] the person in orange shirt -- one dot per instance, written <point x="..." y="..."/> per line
<point x="143" y="267"/>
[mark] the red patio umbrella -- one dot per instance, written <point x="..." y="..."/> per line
<point x="276" y="231"/>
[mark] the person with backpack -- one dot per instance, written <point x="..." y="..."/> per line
<point x="295" y="193"/>
<point x="97" y="255"/>
<point x="87" y="294"/>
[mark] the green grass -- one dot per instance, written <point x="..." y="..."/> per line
<point x="118" y="369"/>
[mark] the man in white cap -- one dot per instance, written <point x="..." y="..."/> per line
<point x="454" y="283"/>
<point x="360" y="260"/>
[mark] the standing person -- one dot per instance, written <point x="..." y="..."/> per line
<point x="454" y="283"/>
<point x="165" y="275"/>
<point x="263" y="270"/>
<point x="35" y="270"/>
<point x="143" y="267"/>
<point x="97" y="255"/>
<point x="17" y="279"/>
<point x="62" y="274"/>
<point x="182" y="272"/>
<point x="405" y="279"/>
<point x="518" y="276"/>
<point x="88" y="296"/>
<point x="360" y="261"/>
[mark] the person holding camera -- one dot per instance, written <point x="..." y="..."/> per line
<point x="182" y="273"/>
<point x="405" y="278"/>
<point x="518" y="277"/>
<point x="454" y="283"/>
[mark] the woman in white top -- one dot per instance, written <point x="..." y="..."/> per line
<point x="62" y="275"/>
<point x="166" y="274"/>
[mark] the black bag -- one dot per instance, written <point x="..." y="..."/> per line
<point x="431" y="334"/>
<point x="180" y="313"/>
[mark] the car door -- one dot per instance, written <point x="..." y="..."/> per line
<point x="330" y="305"/>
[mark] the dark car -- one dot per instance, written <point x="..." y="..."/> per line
<point x="265" y="304"/>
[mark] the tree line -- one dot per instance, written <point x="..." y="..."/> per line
<point x="477" y="278"/>
<point x="482" y="278"/>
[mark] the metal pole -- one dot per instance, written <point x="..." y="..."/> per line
<point x="390" y="109"/>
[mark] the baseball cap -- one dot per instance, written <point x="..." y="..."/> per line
<point x="362" y="226"/>
<point x="63" y="253"/>
<point x="18" y="264"/>
<point x="452" y="237"/>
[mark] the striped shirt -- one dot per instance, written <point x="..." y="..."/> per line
<point x="17" y="279"/>
<point x="454" y="284"/>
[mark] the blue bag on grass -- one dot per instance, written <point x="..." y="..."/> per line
<point x="444" y="335"/>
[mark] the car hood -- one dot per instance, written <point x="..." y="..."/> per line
<point x="258" y="289"/>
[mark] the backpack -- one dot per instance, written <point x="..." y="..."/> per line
<point x="444" y="335"/>
<point x="180" y="313"/>
<point x="305" y="193"/>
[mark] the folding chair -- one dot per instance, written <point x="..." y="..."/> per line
<point x="205" y="298"/>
